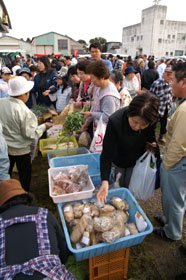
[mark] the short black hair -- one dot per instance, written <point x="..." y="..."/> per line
<point x="72" y="70"/>
<point x="151" y="64"/>
<point x="180" y="70"/>
<point x="146" y="106"/>
<point x="95" y="45"/>
<point x="99" y="69"/>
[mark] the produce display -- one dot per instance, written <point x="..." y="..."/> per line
<point x="93" y="223"/>
<point x="74" y="181"/>
<point x="60" y="146"/>
<point x="39" y="110"/>
<point x="54" y="131"/>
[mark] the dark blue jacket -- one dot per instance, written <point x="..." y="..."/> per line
<point x="50" y="81"/>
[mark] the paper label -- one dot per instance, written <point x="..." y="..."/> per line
<point x="66" y="209"/>
<point x="118" y="199"/>
<point x="85" y="240"/>
<point x="127" y="232"/>
<point x="85" y="210"/>
<point x="78" y="246"/>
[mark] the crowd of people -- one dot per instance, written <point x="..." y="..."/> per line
<point x="131" y="97"/>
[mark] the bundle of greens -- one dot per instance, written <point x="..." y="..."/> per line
<point x="39" y="110"/>
<point x="75" y="120"/>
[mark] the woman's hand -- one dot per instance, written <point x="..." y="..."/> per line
<point x="84" y="127"/>
<point x="103" y="192"/>
<point x="151" y="147"/>
<point x="86" y="115"/>
<point x="46" y="92"/>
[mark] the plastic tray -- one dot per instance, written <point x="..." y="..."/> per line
<point x="84" y="194"/>
<point x="50" y="141"/>
<point x="92" y="160"/>
<point x="124" y="242"/>
<point x="66" y="153"/>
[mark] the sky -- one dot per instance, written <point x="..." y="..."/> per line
<point x="82" y="19"/>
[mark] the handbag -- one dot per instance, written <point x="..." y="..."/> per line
<point x="142" y="182"/>
<point x="53" y="97"/>
<point x="97" y="142"/>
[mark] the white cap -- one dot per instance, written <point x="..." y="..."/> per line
<point x="19" y="86"/>
<point x="5" y="70"/>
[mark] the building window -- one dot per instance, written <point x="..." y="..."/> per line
<point x="143" y="20"/>
<point x="181" y="36"/>
<point x="137" y="38"/>
<point x="141" y="37"/>
<point x="62" y="44"/>
<point x="161" y="21"/>
<point x="171" y="53"/>
<point x="169" y="36"/>
<point x="178" y="53"/>
<point x="167" y="53"/>
<point x="173" y="36"/>
<point x="132" y="39"/>
<point x="159" y="40"/>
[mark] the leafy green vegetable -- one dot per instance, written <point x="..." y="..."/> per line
<point x="73" y="122"/>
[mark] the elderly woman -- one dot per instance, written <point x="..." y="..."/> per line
<point x="128" y="132"/>
<point x="35" y="245"/>
<point x="116" y="77"/>
<point x="130" y="81"/>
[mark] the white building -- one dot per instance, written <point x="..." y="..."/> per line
<point x="155" y="35"/>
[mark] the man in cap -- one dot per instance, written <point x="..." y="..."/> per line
<point x="4" y="82"/>
<point x="173" y="168"/>
<point x="162" y="89"/>
<point x="20" y="127"/>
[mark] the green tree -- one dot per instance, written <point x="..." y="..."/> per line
<point x="100" y="40"/>
<point x="83" y="42"/>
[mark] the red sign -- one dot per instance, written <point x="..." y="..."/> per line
<point x="75" y="52"/>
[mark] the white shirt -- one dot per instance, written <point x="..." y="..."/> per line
<point x="131" y="85"/>
<point x="161" y="69"/>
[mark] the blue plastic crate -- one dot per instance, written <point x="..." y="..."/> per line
<point x="92" y="160"/>
<point x="124" y="242"/>
<point x="66" y="153"/>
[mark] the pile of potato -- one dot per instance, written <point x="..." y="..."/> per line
<point x="90" y="224"/>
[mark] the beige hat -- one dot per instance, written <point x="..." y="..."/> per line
<point x="19" y="86"/>
<point x="9" y="189"/>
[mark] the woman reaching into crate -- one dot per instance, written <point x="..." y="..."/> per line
<point x="128" y="132"/>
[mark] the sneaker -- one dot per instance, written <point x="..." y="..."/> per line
<point x="161" y="233"/>
<point x="160" y="220"/>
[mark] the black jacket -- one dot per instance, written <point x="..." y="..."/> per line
<point x="21" y="239"/>
<point x="122" y="145"/>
